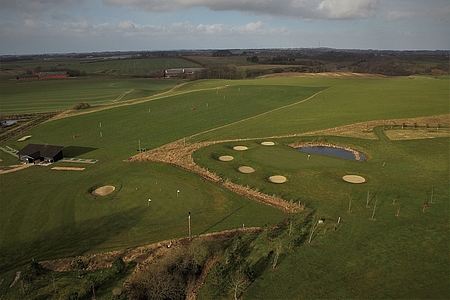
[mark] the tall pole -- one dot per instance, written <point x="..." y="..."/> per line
<point x="189" y="224"/>
<point x="139" y="145"/>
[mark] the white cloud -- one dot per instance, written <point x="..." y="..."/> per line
<point x="35" y="6"/>
<point x="301" y="9"/>
<point x="348" y="9"/>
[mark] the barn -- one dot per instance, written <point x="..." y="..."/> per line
<point x="36" y="153"/>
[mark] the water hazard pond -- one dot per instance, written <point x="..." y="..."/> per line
<point x="334" y="151"/>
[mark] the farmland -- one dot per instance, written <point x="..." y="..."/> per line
<point x="391" y="256"/>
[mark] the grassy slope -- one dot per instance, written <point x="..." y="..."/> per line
<point x="80" y="224"/>
<point x="347" y="101"/>
<point x="55" y="211"/>
<point x="364" y="258"/>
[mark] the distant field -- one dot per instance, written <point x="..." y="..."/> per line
<point x="131" y="66"/>
<point x="108" y="82"/>
<point x="46" y="214"/>
<point x="19" y="96"/>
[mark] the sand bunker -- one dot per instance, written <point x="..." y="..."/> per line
<point x="226" y="158"/>
<point x="24" y="138"/>
<point x="277" y="179"/>
<point x="240" y="148"/>
<point x="267" y="143"/>
<point x="354" y="179"/>
<point x="246" y="169"/>
<point x="68" y="169"/>
<point x="103" y="190"/>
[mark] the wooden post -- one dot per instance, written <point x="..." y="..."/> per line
<point x="189" y="224"/>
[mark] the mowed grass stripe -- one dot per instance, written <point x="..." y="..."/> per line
<point x="349" y="101"/>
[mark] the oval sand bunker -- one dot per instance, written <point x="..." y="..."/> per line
<point x="103" y="190"/>
<point x="354" y="179"/>
<point x="226" y="158"/>
<point x="267" y="143"/>
<point x="240" y="148"/>
<point x="246" y="169"/>
<point x="277" y="179"/>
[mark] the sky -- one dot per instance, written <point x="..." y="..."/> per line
<point x="80" y="26"/>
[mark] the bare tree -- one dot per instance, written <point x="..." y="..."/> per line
<point x="350" y="199"/>
<point x="291" y="227"/>
<point x="313" y="228"/>
<point x="374" y="209"/>
<point x="278" y="249"/>
<point x="395" y="199"/>
<point x="432" y="194"/>
<point x="237" y="283"/>
<point x="368" y="199"/>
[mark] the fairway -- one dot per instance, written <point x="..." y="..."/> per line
<point x="49" y="214"/>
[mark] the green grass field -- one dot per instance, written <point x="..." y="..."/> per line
<point x="100" y="66"/>
<point x="108" y="82"/>
<point x="49" y="95"/>
<point x="47" y="214"/>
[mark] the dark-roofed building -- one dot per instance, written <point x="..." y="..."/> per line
<point x="36" y="153"/>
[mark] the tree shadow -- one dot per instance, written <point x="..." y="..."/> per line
<point x="226" y="217"/>
<point x="74" y="151"/>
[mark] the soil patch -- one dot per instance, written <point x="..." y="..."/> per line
<point x="246" y="169"/>
<point x="354" y="179"/>
<point x="277" y="179"/>
<point x="226" y="158"/>
<point x="103" y="190"/>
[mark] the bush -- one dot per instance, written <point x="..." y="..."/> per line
<point x="81" y="105"/>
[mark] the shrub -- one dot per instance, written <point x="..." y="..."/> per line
<point x="81" y="105"/>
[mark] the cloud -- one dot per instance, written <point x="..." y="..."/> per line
<point x="301" y="9"/>
<point x="34" y="6"/>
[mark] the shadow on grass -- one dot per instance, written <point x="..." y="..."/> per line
<point x="69" y="240"/>
<point x="226" y="217"/>
<point x="74" y="151"/>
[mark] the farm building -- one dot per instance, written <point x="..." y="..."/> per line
<point x="181" y="71"/>
<point x="36" y="153"/>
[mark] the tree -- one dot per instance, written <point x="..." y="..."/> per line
<point x="91" y="283"/>
<point x="374" y="209"/>
<point x="118" y="265"/>
<point x="79" y="267"/>
<point x="277" y="251"/>
<point x="237" y="283"/>
<point x="313" y="228"/>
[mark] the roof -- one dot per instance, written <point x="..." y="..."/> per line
<point x="42" y="150"/>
